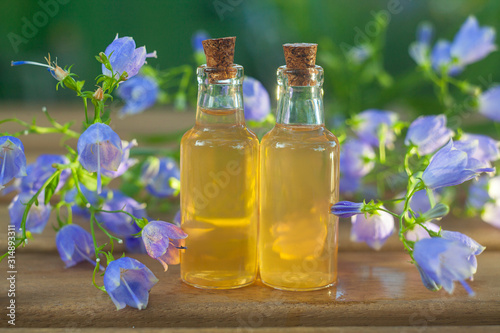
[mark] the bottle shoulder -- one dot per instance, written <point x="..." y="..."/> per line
<point x="283" y="135"/>
<point x="203" y="136"/>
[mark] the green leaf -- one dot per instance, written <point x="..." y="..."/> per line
<point x="51" y="188"/>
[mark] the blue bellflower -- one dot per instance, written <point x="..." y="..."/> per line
<point x="489" y="103"/>
<point x="162" y="241"/>
<point x="128" y="282"/>
<point x="134" y="245"/>
<point x="346" y="209"/>
<point x="42" y="169"/>
<point x="74" y="245"/>
<point x="124" y="57"/>
<point x="372" y="124"/>
<point x="476" y="248"/>
<point x="139" y="94"/>
<point x="428" y="134"/>
<point x="198" y="37"/>
<point x="472" y="42"/>
<point x="451" y="166"/>
<point x="119" y="223"/>
<point x="419" y="233"/>
<point x="374" y="230"/>
<point x="126" y="162"/>
<point x="12" y="159"/>
<point x="478" y="195"/>
<point x="157" y="173"/>
<point x="441" y="262"/>
<point x="441" y="59"/>
<point x="419" y="50"/>
<point x="257" y="103"/>
<point x="38" y="216"/>
<point x="99" y="148"/>
<point x="356" y="161"/>
<point x="481" y="147"/>
<point x="78" y="206"/>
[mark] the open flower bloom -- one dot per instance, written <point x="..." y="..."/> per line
<point x="476" y="248"/>
<point x="441" y="262"/>
<point x="374" y="230"/>
<point x="99" y="148"/>
<point x="42" y="169"/>
<point x="128" y="282"/>
<point x="162" y="241"/>
<point x="372" y="124"/>
<point x="139" y="93"/>
<point x="12" y="159"/>
<point x="472" y="42"/>
<point x="124" y="57"/>
<point x="356" y="159"/>
<point x="441" y="59"/>
<point x="486" y="149"/>
<point x="119" y="223"/>
<point x="346" y="208"/>
<point x="74" y="245"/>
<point x="126" y="162"/>
<point x="418" y="232"/>
<point x="451" y="166"/>
<point x="257" y="104"/>
<point x="38" y="216"/>
<point x="428" y="134"/>
<point x="489" y="103"/>
<point x="157" y="174"/>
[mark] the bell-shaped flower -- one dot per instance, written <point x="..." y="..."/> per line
<point x="139" y="94"/>
<point x="42" y="169"/>
<point x="126" y="162"/>
<point x="489" y="103"/>
<point x="486" y="149"/>
<point x="162" y="241"/>
<point x="78" y="206"/>
<point x="99" y="148"/>
<point x="128" y="282"/>
<point x="38" y="216"/>
<point x="371" y="125"/>
<point x="442" y="261"/>
<point x="477" y="195"/>
<point x="257" y="104"/>
<point x="441" y="59"/>
<point x="472" y="42"/>
<point x="451" y="166"/>
<point x="125" y="57"/>
<point x="134" y="245"/>
<point x="356" y="159"/>
<point x="374" y="229"/>
<point x="418" y="232"/>
<point x="74" y="245"/>
<point x="12" y="159"/>
<point x="476" y="248"/>
<point x="121" y="224"/>
<point x="157" y="174"/>
<point x="428" y="134"/>
<point x="419" y="50"/>
<point x="347" y="209"/>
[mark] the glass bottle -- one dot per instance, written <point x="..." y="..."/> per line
<point x="219" y="182"/>
<point x="299" y="181"/>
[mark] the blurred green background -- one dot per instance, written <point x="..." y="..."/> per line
<point x="75" y="31"/>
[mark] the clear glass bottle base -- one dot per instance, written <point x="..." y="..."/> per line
<point x="219" y="280"/>
<point x="298" y="289"/>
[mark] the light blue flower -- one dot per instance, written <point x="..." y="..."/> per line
<point x="139" y="94"/>
<point x="476" y="248"/>
<point x="450" y="166"/>
<point x="157" y="174"/>
<point x="74" y="245"/>
<point x="374" y="229"/>
<point x="119" y="223"/>
<point x="441" y="59"/>
<point x="79" y="207"/>
<point x="126" y="161"/>
<point x="472" y="42"/>
<point x="356" y="159"/>
<point x="38" y="216"/>
<point x="419" y="233"/>
<point x="162" y="241"/>
<point x="128" y="282"/>
<point x="348" y="184"/>
<point x="428" y="134"/>
<point x="478" y="195"/>
<point x="346" y="209"/>
<point x="134" y="245"/>
<point x="371" y="124"/>
<point x="481" y="147"/>
<point x="441" y="262"/>
<point x="12" y="159"/>
<point x="489" y="103"/>
<point x="257" y="103"/>
<point x="42" y="169"/>
<point x="359" y="54"/>
<point x="124" y="57"/>
<point x="99" y="148"/>
<point x="198" y="37"/>
<point x="419" y="50"/>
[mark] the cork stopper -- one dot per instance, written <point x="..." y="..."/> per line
<point x="300" y="63"/>
<point x="220" y="56"/>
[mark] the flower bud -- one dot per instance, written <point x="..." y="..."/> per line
<point x="99" y="94"/>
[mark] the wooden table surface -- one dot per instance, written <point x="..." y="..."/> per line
<point x="376" y="291"/>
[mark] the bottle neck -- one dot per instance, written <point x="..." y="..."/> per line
<point x="300" y="105"/>
<point x="220" y="102"/>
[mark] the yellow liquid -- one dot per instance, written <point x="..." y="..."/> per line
<point x="299" y="183"/>
<point x="219" y="182"/>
